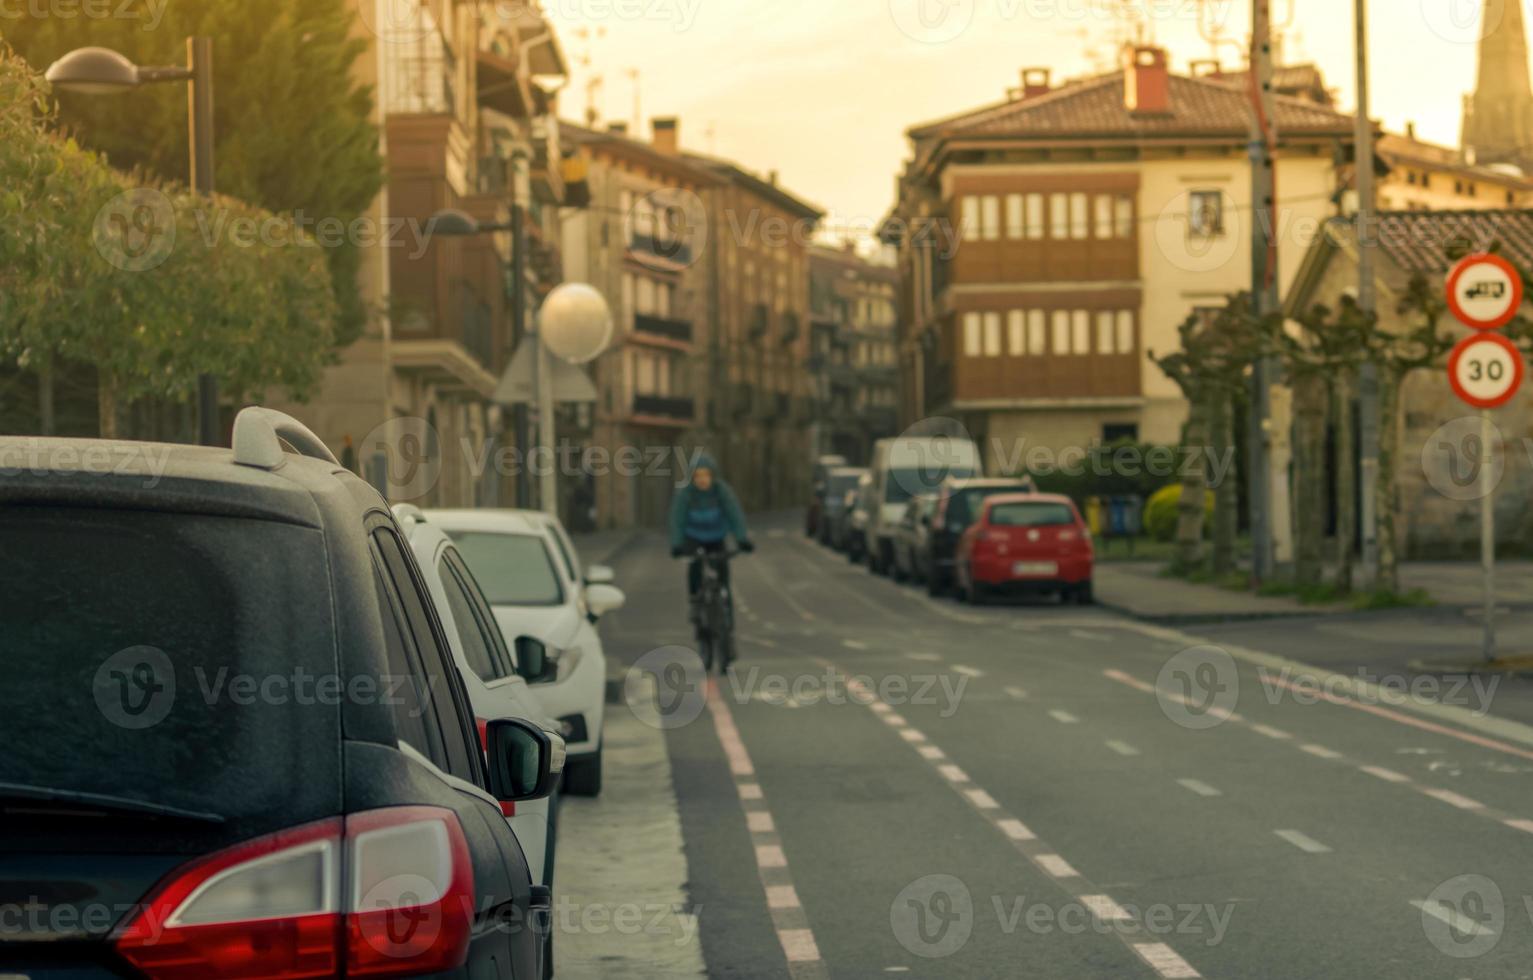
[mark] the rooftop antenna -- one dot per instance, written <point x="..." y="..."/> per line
<point x="709" y="134"/>
<point x="593" y="85"/>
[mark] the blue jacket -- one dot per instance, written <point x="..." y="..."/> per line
<point x="706" y="516"/>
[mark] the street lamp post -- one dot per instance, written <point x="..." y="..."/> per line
<point x="102" y="71"/>
<point x="574" y="324"/>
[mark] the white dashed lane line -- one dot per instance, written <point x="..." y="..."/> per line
<point x="1016" y="692"/>
<point x="854" y="644"/>
<point x="788" y="918"/>
<point x="1125" y="925"/>
<point x="967" y="671"/>
<point x="1063" y="717"/>
<point x="1453" y="918"/>
<point x="1122" y="748"/>
<point x="1199" y="787"/>
<point x="1303" y="841"/>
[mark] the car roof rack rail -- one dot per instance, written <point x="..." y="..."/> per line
<point x="408" y="512"/>
<point x="260" y="432"/>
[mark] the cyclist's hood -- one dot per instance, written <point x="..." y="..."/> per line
<point x="703" y="461"/>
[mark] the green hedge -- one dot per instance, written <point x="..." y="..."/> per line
<point x="1161" y="515"/>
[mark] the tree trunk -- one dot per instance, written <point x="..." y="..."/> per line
<point x="1385" y="498"/>
<point x="47" y="420"/>
<point x="106" y="405"/>
<point x="1309" y="478"/>
<point x="1346" y="476"/>
<point x="1190" y="506"/>
<point x="1227" y="491"/>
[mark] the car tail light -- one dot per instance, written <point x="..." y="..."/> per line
<point x="383" y="893"/>
<point x="1068" y="535"/>
<point x="996" y="537"/>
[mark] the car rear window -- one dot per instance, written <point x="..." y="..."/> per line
<point x="965" y="505"/>
<point x="1031" y="514"/>
<point x="512" y="569"/>
<point x="171" y="659"/>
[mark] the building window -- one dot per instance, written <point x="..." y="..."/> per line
<point x="1037" y="332"/>
<point x="1016" y="330"/>
<point x="1106" y="333"/>
<point x="992" y="335"/>
<point x="970" y="230"/>
<point x="1120" y="432"/>
<point x="1080" y="215"/>
<point x="1410" y="176"/>
<point x="1014" y="221"/>
<point x="990" y="218"/>
<point x="1426" y="179"/>
<point x="1206" y="213"/>
<point x="1126" y="339"/>
<point x="1080" y="322"/>
<point x="1123" y="215"/>
<point x="1104" y="222"/>
<point x="1035" y="217"/>
<point x="1059" y="216"/>
<point x="971" y="329"/>
<point x="1061" y="331"/>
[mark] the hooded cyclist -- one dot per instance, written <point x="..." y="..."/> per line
<point x="704" y="513"/>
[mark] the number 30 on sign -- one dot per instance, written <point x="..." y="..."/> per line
<point x="1485" y="370"/>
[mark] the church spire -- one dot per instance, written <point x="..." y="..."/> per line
<point x="1498" y="118"/>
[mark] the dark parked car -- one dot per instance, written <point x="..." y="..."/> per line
<point x="958" y="504"/>
<point x="839" y="482"/>
<point x="236" y="742"/>
<point x="818" y="487"/>
<point x="912" y="539"/>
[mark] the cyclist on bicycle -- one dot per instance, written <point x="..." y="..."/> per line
<point x="704" y="514"/>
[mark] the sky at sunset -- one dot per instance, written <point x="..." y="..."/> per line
<point x="823" y="90"/>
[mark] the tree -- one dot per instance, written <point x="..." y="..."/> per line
<point x="292" y="127"/>
<point x="1210" y="367"/>
<point x="118" y="272"/>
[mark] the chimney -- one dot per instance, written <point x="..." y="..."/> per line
<point x="1410" y="131"/>
<point x="1207" y="68"/>
<point x="1036" y="82"/>
<point x="620" y="128"/>
<point x="1146" y="81"/>
<point x="772" y="178"/>
<point x="667" y="135"/>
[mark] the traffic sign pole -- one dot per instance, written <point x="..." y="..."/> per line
<point x="1488" y="531"/>
<point x="1486" y="370"/>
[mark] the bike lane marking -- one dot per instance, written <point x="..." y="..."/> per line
<point x="1121" y="922"/>
<point x="788" y="917"/>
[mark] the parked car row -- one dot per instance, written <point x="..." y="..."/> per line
<point x="264" y="726"/>
<point x="923" y="513"/>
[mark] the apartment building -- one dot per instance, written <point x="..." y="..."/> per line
<point x="461" y="97"/>
<point x="1424" y="176"/>
<point x="760" y="406"/>
<point x="642" y="242"/>
<point x="1050" y="242"/>
<point x="853" y="360"/>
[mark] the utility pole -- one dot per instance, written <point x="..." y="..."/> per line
<point x="1367" y="301"/>
<point x="199" y="113"/>
<point x="1264" y="294"/>
<point x="521" y="192"/>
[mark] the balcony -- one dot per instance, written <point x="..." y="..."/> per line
<point x="659" y="326"/>
<point x="665" y="411"/>
<point x="789" y="329"/>
<point x="761" y="321"/>
<point x="670" y="252"/>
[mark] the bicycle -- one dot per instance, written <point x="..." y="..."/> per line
<point x="713" y="612"/>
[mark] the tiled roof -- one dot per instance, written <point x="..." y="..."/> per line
<point x="1396" y="148"/>
<point x="767" y="188"/>
<point x="1418" y="241"/>
<point x="1094" y="108"/>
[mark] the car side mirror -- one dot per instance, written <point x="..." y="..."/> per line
<point x="600" y="575"/>
<point x="524" y="760"/>
<point x="533" y="663"/>
<point x="602" y="599"/>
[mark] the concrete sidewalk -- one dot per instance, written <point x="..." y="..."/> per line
<point x="602" y="547"/>
<point x="1140" y="590"/>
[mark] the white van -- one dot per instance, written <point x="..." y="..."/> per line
<point x="905" y="467"/>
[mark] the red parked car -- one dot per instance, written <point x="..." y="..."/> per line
<point x="1026" y="542"/>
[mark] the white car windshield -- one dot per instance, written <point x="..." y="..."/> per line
<point x="513" y="569"/>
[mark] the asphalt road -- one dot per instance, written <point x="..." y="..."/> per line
<point x="897" y="786"/>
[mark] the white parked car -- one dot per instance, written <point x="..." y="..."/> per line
<point x="490" y="671"/>
<point x="531" y="574"/>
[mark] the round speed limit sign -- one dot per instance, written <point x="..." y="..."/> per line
<point x="1485" y="370"/>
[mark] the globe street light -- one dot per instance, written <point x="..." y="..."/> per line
<point x="102" y="71"/>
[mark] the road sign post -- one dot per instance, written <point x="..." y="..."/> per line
<point x="1486" y="371"/>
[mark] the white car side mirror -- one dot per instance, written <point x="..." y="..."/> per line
<point x="600" y="575"/>
<point x="602" y="599"/>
